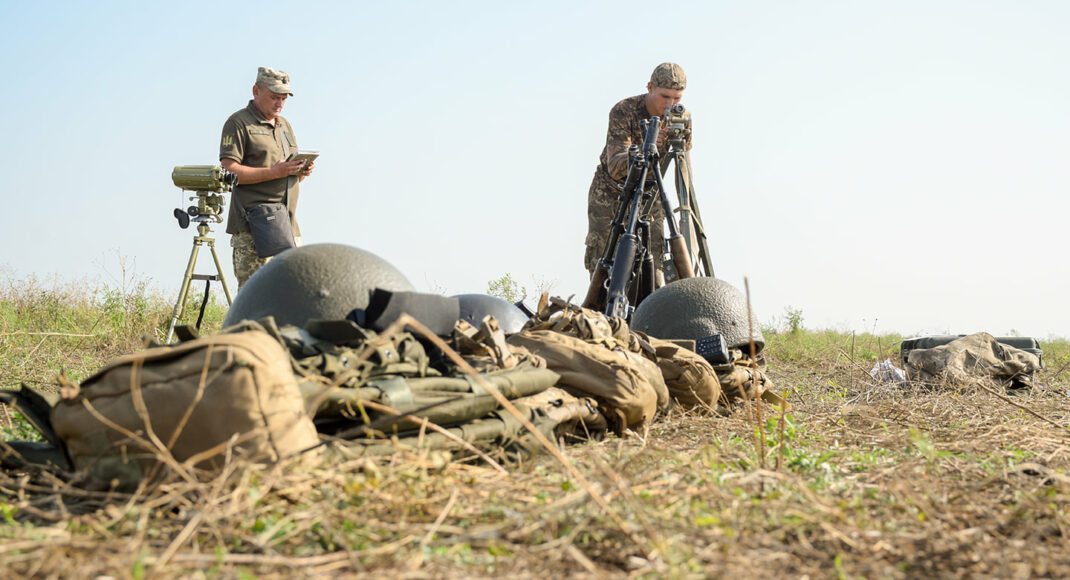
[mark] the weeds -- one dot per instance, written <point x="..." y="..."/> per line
<point x="861" y="479"/>
<point x="507" y="289"/>
<point x="76" y="327"/>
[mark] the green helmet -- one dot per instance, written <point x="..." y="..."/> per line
<point x="320" y="281"/>
<point x="475" y="306"/>
<point x="695" y="308"/>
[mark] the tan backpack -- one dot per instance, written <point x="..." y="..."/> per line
<point x="625" y="385"/>
<point x="196" y="402"/>
<point x="597" y="357"/>
<point x="691" y="380"/>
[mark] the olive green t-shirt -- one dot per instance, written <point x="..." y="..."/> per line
<point x="251" y="140"/>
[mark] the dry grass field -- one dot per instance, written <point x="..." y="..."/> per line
<point x="859" y="479"/>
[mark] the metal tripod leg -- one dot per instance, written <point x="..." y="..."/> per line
<point x="219" y="271"/>
<point x="188" y="277"/>
<point x="690" y="218"/>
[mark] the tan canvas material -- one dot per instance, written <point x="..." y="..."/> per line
<point x="597" y="329"/>
<point x="691" y="380"/>
<point x="190" y="400"/>
<point x="625" y="385"/>
<point x="971" y="358"/>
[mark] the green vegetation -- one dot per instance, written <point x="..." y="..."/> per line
<point x="858" y="479"/>
<point x="75" y="328"/>
<point x="507" y="288"/>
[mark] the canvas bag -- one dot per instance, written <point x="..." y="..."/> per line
<point x="626" y="386"/>
<point x="691" y="380"/>
<point x="269" y="224"/>
<point x="595" y="328"/>
<point x="196" y="397"/>
<point x="972" y="358"/>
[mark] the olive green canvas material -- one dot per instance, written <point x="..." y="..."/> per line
<point x="499" y="429"/>
<point x="341" y="367"/>
<point x="440" y="400"/>
<point x="189" y="402"/>
<point x="329" y="352"/>
<point x="971" y="359"/>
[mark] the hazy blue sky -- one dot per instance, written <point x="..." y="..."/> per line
<point x="891" y="166"/>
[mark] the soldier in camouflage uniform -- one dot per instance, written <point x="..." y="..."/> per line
<point x="255" y="144"/>
<point x="666" y="88"/>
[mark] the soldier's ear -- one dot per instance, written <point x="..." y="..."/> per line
<point x="649" y="87"/>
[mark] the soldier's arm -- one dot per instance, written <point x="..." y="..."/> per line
<point x="250" y="175"/>
<point x="232" y="151"/>
<point x="618" y="160"/>
<point x="618" y="139"/>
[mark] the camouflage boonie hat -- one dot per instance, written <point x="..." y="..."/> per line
<point x="669" y="75"/>
<point x="273" y="80"/>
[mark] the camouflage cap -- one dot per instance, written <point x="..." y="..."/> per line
<point x="273" y="80"/>
<point x="669" y="75"/>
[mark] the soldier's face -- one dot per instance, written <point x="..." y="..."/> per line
<point x="660" y="98"/>
<point x="267" y="102"/>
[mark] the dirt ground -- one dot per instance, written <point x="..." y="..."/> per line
<point x="859" y="479"/>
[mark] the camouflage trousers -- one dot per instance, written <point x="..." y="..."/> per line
<point x="246" y="262"/>
<point x="602" y="206"/>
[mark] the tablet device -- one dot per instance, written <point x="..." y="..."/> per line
<point x="305" y="155"/>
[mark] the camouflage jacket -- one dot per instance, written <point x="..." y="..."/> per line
<point x="624" y="129"/>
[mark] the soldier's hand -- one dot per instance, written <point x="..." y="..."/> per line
<point x="286" y="168"/>
<point x="306" y="170"/>
<point x="663" y="134"/>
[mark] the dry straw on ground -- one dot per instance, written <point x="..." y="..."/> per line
<point x="861" y="479"/>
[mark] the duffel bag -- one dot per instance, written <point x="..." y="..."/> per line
<point x="197" y="402"/>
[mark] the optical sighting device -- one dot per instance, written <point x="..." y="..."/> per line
<point x="208" y="183"/>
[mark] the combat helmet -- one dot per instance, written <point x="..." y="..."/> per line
<point x="475" y="306"/>
<point x="694" y="308"/>
<point x="320" y="281"/>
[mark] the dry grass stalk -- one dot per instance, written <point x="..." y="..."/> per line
<point x="406" y="321"/>
<point x="872" y="480"/>
<point x="8" y="423"/>
<point x="425" y="424"/>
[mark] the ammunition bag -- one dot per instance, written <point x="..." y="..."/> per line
<point x="626" y="386"/>
<point x="691" y="380"/>
<point x="184" y="403"/>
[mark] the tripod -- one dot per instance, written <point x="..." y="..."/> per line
<point x="183" y="294"/>
<point x="690" y="218"/>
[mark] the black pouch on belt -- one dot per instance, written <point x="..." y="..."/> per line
<point x="269" y="224"/>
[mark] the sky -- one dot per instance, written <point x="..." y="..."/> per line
<point x="878" y="166"/>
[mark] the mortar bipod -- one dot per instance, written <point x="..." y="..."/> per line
<point x="690" y="218"/>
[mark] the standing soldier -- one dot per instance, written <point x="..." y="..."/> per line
<point x="255" y="144"/>
<point x="666" y="88"/>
